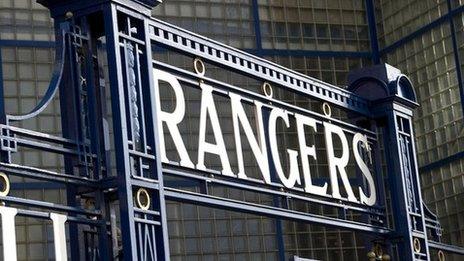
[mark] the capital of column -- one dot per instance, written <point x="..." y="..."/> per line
<point x="61" y="7"/>
<point x="383" y="85"/>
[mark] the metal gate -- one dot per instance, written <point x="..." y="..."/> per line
<point x="115" y="161"/>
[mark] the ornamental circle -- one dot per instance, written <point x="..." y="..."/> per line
<point x="326" y="109"/>
<point x="143" y="199"/>
<point x="441" y="256"/>
<point x="417" y="245"/>
<point x="267" y="90"/>
<point x="5" y="181"/>
<point x="199" y="66"/>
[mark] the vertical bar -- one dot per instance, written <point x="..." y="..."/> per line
<point x="409" y="223"/>
<point x="457" y="61"/>
<point x="162" y="239"/>
<point x="279" y="233"/>
<point x="4" y="156"/>
<point x="370" y="12"/>
<point x="69" y="121"/>
<point x="2" y="95"/>
<point x="277" y="201"/>
<point x="257" y="26"/>
<point x="120" y="133"/>
<point x="96" y="134"/>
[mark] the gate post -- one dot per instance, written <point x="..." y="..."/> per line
<point x="118" y="36"/>
<point x="392" y="103"/>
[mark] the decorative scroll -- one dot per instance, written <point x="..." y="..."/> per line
<point x="54" y="82"/>
<point x="407" y="173"/>
<point x="133" y="91"/>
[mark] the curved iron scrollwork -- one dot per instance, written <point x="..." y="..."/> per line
<point x="54" y="82"/>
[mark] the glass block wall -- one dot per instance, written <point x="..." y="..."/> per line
<point x="400" y="18"/>
<point x="324" y="39"/>
<point x="313" y="25"/>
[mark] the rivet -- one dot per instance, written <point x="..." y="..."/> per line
<point x="69" y="15"/>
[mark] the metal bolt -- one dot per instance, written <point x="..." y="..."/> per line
<point x="69" y="15"/>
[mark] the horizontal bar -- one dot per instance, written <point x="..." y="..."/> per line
<point x="38" y="135"/>
<point x="53" y="148"/>
<point x="47" y="205"/>
<point x="44" y="215"/>
<point x="445" y="247"/>
<point x="147" y="222"/>
<point x="36" y="173"/>
<point x="146" y="212"/>
<point x="274" y="212"/>
<point x="37" y="185"/>
<point x="270" y="189"/>
<point x="307" y="53"/>
<point x="422" y="30"/>
<point x="442" y="162"/>
<point x="184" y="41"/>
<point x="27" y="43"/>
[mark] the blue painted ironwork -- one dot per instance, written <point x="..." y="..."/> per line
<point x="27" y="43"/>
<point x="371" y="21"/>
<point x="53" y="86"/>
<point x="119" y="34"/>
<point x="396" y="100"/>
<point x="424" y="29"/>
<point x="456" y="52"/>
<point x="307" y="53"/>
<point x="440" y="163"/>
<point x="257" y="24"/>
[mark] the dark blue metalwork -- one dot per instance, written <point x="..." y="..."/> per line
<point x="120" y="34"/>
<point x="307" y="53"/>
<point x="371" y="21"/>
<point x="257" y="25"/>
<point x="27" y="43"/>
<point x="426" y="28"/>
<point x="456" y="52"/>
<point x="440" y="163"/>
<point x="2" y="98"/>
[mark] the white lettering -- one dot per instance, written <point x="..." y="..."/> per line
<point x="59" y="236"/>
<point x="305" y="152"/>
<point x="208" y="107"/>
<point x="339" y="163"/>
<point x="294" y="175"/>
<point x="171" y="119"/>
<point x="358" y="137"/>
<point x="9" y="233"/>
<point x="257" y="141"/>
<point x="258" y="146"/>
